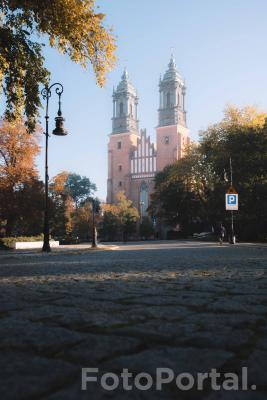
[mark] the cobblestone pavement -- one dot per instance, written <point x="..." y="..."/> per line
<point x="186" y="306"/>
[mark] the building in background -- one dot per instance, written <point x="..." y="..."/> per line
<point x="133" y="159"/>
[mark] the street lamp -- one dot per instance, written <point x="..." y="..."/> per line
<point x="58" y="131"/>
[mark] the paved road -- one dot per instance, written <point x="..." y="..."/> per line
<point x="187" y="306"/>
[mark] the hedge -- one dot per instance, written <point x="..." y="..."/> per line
<point x="7" y="242"/>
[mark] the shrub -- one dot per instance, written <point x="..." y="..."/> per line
<point x="7" y="242"/>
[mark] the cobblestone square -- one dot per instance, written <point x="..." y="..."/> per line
<point x="188" y="306"/>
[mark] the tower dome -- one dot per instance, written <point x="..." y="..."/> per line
<point x="172" y="74"/>
<point x="125" y="85"/>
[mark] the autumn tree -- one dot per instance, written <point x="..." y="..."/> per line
<point x="61" y="206"/>
<point x="191" y="192"/>
<point x="242" y="135"/>
<point x="82" y="221"/>
<point x="75" y="28"/>
<point x="71" y="203"/>
<point x="18" y="150"/>
<point x="27" y="213"/>
<point x="122" y="214"/>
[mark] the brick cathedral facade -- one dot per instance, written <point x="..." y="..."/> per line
<point x="133" y="159"/>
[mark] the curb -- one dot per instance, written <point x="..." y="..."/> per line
<point x="56" y="251"/>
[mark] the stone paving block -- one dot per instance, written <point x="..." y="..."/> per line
<point x="238" y="395"/>
<point x="175" y="331"/>
<point x="181" y="298"/>
<point x="183" y="359"/>
<point x="95" y="348"/>
<point x="237" y="306"/>
<point x="227" y="338"/>
<point x="169" y="313"/>
<point x="77" y="318"/>
<point x="24" y="377"/>
<point x="256" y="364"/>
<point x="215" y="322"/>
<point x="21" y="334"/>
<point x="95" y="392"/>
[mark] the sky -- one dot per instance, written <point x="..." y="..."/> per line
<point x="220" y="49"/>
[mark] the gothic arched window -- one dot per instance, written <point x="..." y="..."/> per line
<point x="131" y="110"/>
<point x="143" y="199"/>
<point x="121" y="108"/>
<point x="168" y="99"/>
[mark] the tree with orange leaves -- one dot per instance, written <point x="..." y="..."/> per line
<point x="18" y="151"/>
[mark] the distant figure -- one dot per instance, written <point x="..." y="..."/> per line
<point x="222" y="233"/>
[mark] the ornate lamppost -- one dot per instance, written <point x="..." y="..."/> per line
<point x="58" y="131"/>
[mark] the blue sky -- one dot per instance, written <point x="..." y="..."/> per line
<point x="220" y="49"/>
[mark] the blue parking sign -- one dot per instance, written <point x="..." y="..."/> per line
<point x="231" y="201"/>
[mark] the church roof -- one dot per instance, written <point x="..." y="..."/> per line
<point x="172" y="74"/>
<point x="125" y="85"/>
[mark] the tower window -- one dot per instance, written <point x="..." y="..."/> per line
<point x="119" y="145"/>
<point x="120" y="167"/>
<point x="166" y="140"/>
<point x="131" y="110"/>
<point x="121" y="108"/>
<point x="120" y="183"/>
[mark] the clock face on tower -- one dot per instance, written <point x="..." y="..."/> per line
<point x="166" y="139"/>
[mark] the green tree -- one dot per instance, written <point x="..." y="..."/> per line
<point x="73" y="27"/>
<point x="109" y="228"/>
<point x="80" y="188"/>
<point x="181" y="192"/>
<point x="146" y="228"/>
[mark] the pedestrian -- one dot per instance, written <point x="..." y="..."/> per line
<point x="222" y="233"/>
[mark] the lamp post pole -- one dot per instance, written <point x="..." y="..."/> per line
<point x="59" y="131"/>
<point x="46" y="244"/>
<point x="232" y="239"/>
<point x="94" y="244"/>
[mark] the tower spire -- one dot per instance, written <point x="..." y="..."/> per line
<point x="172" y="63"/>
<point x="125" y="101"/>
<point x="125" y="75"/>
<point x="172" y="93"/>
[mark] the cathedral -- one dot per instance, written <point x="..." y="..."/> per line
<point x="133" y="159"/>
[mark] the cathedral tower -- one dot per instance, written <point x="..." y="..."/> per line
<point x="125" y="102"/>
<point x="133" y="159"/>
<point x="172" y="132"/>
<point x="123" y="138"/>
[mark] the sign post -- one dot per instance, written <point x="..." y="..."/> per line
<point x="231" y="201"/>
<point x="231" y="204"/>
